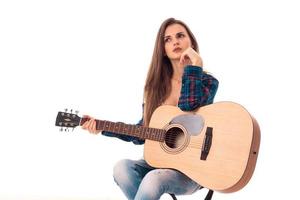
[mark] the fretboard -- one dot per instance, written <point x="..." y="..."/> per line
<point x="128" y="129"/>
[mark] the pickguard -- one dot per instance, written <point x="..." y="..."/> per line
<point x="193" y="123"/>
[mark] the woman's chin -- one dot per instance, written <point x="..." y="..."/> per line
<point x="175" y="57"/>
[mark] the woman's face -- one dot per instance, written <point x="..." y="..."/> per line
<point x="176" y="40"/>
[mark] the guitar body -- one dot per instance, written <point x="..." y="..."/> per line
<point x="225" y="131"/>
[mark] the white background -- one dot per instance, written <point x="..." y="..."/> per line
<point x="94" y="56"/>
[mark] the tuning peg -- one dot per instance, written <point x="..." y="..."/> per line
<point x="61" y="129"/>
<point x="66" y="110"/>
<point x="71" y="110"/>
<point x="76" y="112"/>
<point x="66" y="130"/>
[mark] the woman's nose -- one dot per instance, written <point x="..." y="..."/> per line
<point x="175" y="42"/>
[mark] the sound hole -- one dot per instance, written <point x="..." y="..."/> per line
<point x="174" y="138"/>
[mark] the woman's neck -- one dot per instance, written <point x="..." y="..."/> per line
<point x="177" y="70"/>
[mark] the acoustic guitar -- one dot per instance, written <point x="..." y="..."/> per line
<point x="216" y="145"/>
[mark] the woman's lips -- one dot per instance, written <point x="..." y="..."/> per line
<point x="177" y="49"/>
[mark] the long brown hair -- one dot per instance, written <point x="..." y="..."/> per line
<point x="158" y="82"/>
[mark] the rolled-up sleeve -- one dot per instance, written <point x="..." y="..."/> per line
<point x="198" y="88"/>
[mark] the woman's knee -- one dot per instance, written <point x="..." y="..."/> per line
<point x="123" y="170"/>
<point x="152" y="186"/>
<point x="154" y="180"/>
<point x="168" y="181"/>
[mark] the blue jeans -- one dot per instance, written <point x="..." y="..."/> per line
<point x="139" y="181"/>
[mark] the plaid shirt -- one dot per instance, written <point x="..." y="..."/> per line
<point x="198" y="89"/>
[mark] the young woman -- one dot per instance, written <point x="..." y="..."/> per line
<point x="175" y="77"/>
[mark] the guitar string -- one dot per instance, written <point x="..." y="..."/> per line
<point x="169" y="139"/>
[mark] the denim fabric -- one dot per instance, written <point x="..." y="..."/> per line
<point x="139" y="181"/>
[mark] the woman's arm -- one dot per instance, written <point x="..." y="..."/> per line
<point x="198" y="88"/>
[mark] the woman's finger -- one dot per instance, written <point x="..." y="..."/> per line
<point x="94" y="126"/>
<point x="89" y="125"/>
<point x="183" y="57"/>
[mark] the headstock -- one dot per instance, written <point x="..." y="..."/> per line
<point x="67" y="120"/>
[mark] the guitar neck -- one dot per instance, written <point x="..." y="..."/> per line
<point x="128" y="129"/>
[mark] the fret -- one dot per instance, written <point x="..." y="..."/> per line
<point x="121" y="129"/>
<point x="158" y="133"/>
<point x="150" y="132"/>
<point x="151" y="135"/>
<point x="125" y="128"/>
<point x="116" y="127"/>
<point x="154" y="134"/>
<point x="105" y="126"/>
<point x="134" y="129"/>
<point x="129" y="129"/>
<point x="146" y="131"/>
<point x="143" y="132"/>
<point x="162" y="134"/>
<point x="113" y="125"/>
<point x="110" y="127"/>
<point x="137" y="131"/>
<point x="100" y="125"/>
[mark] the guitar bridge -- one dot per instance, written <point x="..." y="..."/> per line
<point x="207" y="143"/>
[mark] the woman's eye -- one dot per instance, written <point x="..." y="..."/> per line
<point x="180" y="35"/>
<point x="167" y="40"/>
